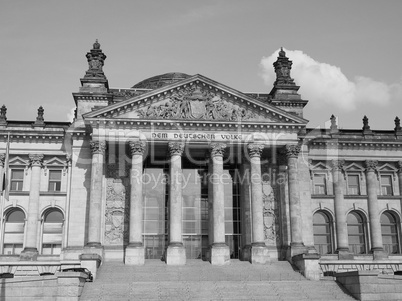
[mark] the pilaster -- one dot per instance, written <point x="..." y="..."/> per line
<point x="30" y="251"/>
<point x="340" y="214"/>
<point x="374" y="213"/>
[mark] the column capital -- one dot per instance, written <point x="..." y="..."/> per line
<point x="2" y="159"/>
<point x="137" y="147"/>
<point x="371" y="165"/>
<point x="98" y="147"/>
<point x="175" y="148"/>
<point x="338" y="165"/>
<point x="36" y="159"/>
<point x="217" y="149"/>
<point x="255" y="149"/>
<point x="399" y="164"/>
<point x="292" y="150"/>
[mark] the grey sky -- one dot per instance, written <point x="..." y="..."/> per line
<point x="43" y="46"/>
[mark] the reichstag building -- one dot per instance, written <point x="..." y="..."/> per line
<point x="182" y="167"/>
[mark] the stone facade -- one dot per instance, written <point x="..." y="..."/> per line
<point x="191" y="169"/>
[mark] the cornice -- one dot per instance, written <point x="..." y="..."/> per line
<point x="26" y="137"/>
<point x="377" y="145"/>
<point x="185" y="124"/>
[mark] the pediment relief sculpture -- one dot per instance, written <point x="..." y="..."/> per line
<point x="195" y="103"/>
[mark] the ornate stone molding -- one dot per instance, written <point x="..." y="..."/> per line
<point x="36" y="159"/>
<point x="137" y="147"/>
<point x="338" y="165"/>
<point x="292" y="150"/>
<point x="255" y="149"/>
<point x="217" y="149"/>
<point x="2" y="159"/>
<point x="98" y="147"/>
<point x="176" y="148"/>
<point x="371" y="165"/>
<point x="196" y="103"/>
<point x="69" y="158"/>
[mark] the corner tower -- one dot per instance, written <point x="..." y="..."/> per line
<point x="94" y="90"/>
<point x="284" y="93"/>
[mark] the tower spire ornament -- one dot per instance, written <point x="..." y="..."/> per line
<point x="282" y="69"/>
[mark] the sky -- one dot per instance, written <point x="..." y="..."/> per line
<point x="347" y="55"/>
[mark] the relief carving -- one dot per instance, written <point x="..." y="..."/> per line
<point x="194" y="103"/>
<point x="269" y="212"/>
<point x="117" y="210"/>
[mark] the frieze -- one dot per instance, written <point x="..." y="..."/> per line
<point x="195" y="103"/>
<point x="217" y="149"/>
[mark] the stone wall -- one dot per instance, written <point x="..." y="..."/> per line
<point x="369" y="285"/>
<point x="61" y="286"/>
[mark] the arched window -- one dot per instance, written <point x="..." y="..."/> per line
<point x="322" y="229"/>
<point x="390" y="233"/>
<point x="52" y="232"/>
<point x="13" y="232"/>
<point x="356" y="233"/>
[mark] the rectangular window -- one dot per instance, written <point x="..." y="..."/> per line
<point x="353" y="185"/>
<point x="386" y="185"/>
<point x="54" y="180"/>
<point x="17" y="179"/>
<point x="319" y="184"/>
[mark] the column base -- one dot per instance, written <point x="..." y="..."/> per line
<point x="295" y="249"/>
<point x="246" y="253"/>
<point x="176" y="254"/>
<point x="378" y="253"/>
<point x="343" y="253"/>
<point x="220" y="254"/>
<point x="259" y="254"/>
<point x="135" y="255"/>
<point x="29" y="254"/>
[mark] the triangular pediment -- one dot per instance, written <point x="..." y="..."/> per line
<point x="55" y="162"/>
<point x="387" y="168"/>
<point x="18" y="161"/>
<point x="354" y="167"/>
<point x="320" y="166"/>
<point x="196" y="99"/>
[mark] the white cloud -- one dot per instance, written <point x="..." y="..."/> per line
<point x="324" y="84"/>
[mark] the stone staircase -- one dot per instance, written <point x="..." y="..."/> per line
<point x="199" y="280"/>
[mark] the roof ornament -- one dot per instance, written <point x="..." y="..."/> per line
<point x="334" y="126"/>
<point x="282" y="69"/>
<point x="39" y="119"/>
<point x="3" y="115"/>
<point x="366" y="126"/>
<point x="96" y="59"/>
<point x="398" y="128"/>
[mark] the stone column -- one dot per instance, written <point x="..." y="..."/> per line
<point x="400" y="177"/>
<point x="259" y="251"/>
<point x="95" y="199"/>
<point x="176" y="253"/>
<point x="135" y="253"/>
<point x="296" y="244"/>
<point x="374" y="213"/>
<point x="30" y="251"/>
<point x="340" y="213"/>
<point x="220" y="253"/>
<point x="245" y="210"/>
